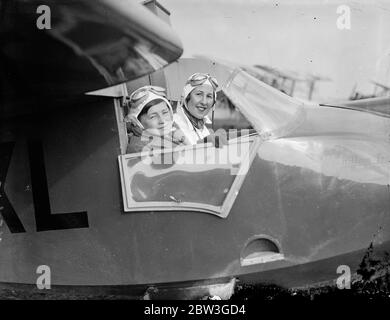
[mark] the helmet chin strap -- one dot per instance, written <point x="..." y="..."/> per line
<point x="212" y="119"/>
<point x="212" y="112"/>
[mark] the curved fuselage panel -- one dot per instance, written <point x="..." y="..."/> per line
<point x="294" y="193"/>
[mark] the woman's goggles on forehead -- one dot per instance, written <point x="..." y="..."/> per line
<point x="198" y="79"/>
<point x="142" y="93"/>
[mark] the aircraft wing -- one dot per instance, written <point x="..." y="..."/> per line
<point x="378" y="105"/>
<point x="91" y="44"/>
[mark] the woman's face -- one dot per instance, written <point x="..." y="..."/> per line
<point x="158" y="118"/>
<point x="201" y="100"/>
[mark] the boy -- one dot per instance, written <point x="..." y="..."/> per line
<point x="151" y="121"/>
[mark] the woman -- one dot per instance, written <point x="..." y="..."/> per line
<point x="198" y="98"/>
<point x="150" y="120"/>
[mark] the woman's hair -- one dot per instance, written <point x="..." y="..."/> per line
<point x="146" y="108"/>
<point x="188" y="98"/>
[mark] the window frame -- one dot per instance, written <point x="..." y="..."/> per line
<point x="220" y="211"/>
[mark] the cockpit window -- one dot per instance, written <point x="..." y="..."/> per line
<point x="191" y="178"/>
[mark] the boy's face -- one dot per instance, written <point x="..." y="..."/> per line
<point x="158" y="118"/>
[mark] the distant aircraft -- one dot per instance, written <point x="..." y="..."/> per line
<point x="380" y="90"/>
<point x="300" y="191"/>
<point x="286" y="81"/>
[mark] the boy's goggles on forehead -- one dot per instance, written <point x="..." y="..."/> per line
<point x="141" y="94"/>
<point x="198" y="79"/>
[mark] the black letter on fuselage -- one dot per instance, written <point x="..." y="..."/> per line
<point x="9" y="215"/>
<point x="44" y="219"/>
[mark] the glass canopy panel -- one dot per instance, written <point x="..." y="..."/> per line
<point x="272" y="113"/>
<point x="193" y="178"/>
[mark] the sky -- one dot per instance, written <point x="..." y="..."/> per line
<point x="297" y="35"/>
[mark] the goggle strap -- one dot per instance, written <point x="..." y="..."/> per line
<point x="144" y="91"/>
